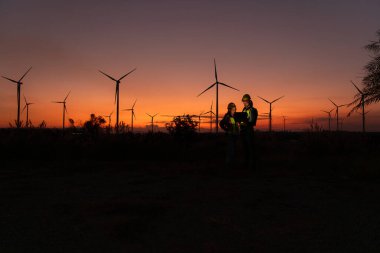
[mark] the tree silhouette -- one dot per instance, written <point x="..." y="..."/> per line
<point x="371" y="80"/>
<point x="94" y="124"/>
<point x="184" y="125"/>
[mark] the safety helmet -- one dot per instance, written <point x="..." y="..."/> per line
<point x="246" y="97"/>
<point x="230" y="106"/>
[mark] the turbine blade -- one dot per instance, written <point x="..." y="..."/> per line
<point x="149" y="115"/>
<point x="133" y="113"/>
<point x="228" y="86"/>
<point x="67" y="96"/>
<point x="155" y="115"/>
<point x="212" y="85"/>
<point x="333" y="103"/>
<point x="9" y="79"/>
<point x="25" y="100"/>
<point x="264" y="99"/>
<point x="357" y="87"/>
<point x="25" y="74"/>
<point x="23" y="109"/>
<point x="133" y="106"/>
<point x="277" y="99"/>
<point x="216" y="72"/>
<point x="110" y="77"/>
<point x="126" y="74"/>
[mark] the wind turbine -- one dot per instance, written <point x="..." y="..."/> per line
<point x="270" y="109"/>
<point x="211" y="113"/>
<point x="216" y="84"/>
<point x="337" y="113"/>
<point x="18" y="94"/>
<point x="284" y="118"/>
<point x="199" y="116"/>
<point x="109" y="119"/>
<point x="27" y="111"/>
<point x="118" y="81"/>
<point x="329" y="114"/>
<point x="152" y="117"/>
<point x="64" y="109"/>
<point x="132" y="113"/>
<point x="362" y="98"/>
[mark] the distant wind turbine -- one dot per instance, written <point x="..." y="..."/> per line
<point x="27" y="111"/>
<point x="64" y="109"/>
<point x="284" y="118"/>
<point x="216" y="84"/>
<point x="152" y="119"/>
<point x="329" y="115"/>
<point x="18" y="94"/>
<point x="270" y="109"/>
<point x="109" y="119"/>
<point x="362" y="99"/>
<point x="199" y="116"/>
<point x="117" y="94"/>
<point x="337" y="113"/>
<point x="132" y="109"/>
<point x="211" y="113"/>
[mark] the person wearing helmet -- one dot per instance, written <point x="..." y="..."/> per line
<point x="247" y="130"/>
<point x="231" y="127"/>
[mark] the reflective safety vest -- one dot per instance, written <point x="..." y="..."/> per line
<point x="251" y="118"/>
<point x="249" y="114"/>
<point x="235" y="127"/>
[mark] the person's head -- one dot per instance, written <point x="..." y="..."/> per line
<point x="231" y="108"/>
<point x="246" y="99"/>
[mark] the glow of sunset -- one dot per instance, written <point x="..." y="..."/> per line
<point x="307" y="51"/>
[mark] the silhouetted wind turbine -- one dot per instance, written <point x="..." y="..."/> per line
<point x="199" y="119"/>
<point x="18" y="94"/>
<point x="152" y="118"/>
<point x="284" y="118"/>
<point x="64" y="109"/>
<point x="337" y="113"/>
<point x="270" y="110"/>
<point x="211" y="113"/>
<point x="109" y="119"/>
<point x="117" y="94"/>
<point x="27" y="111"/>
<point x="362" y="99"/>
<point x="132" y="113"/>
<point x="329" y="114"/>
<point x="216" y="84"/>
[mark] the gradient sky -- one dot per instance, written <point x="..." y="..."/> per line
<point x="306" y="50"/>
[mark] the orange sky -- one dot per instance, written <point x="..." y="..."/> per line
<point x="308" y="53"/>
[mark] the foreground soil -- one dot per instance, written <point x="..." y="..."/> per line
<point x="127" y="206"/>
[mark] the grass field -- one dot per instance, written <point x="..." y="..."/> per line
<point x="311" y="192"/>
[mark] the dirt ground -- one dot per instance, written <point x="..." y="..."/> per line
<point x="126" y="206"/>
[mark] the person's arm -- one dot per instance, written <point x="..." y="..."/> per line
<point x="223" y="124"/>
<point x="254" y="116"/>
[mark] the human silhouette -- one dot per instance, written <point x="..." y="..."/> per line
<point x="231" y="127"/>
<point x="247" y="126"/>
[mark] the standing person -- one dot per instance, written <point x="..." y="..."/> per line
<point x="231" y="126"/>
<point x="247" y="131"/>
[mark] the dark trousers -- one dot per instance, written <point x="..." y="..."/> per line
<point x="248" y="139"/>
<point x="231" y="149"/>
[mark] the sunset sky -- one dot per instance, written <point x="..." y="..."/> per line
<point x="306" y="50"/>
